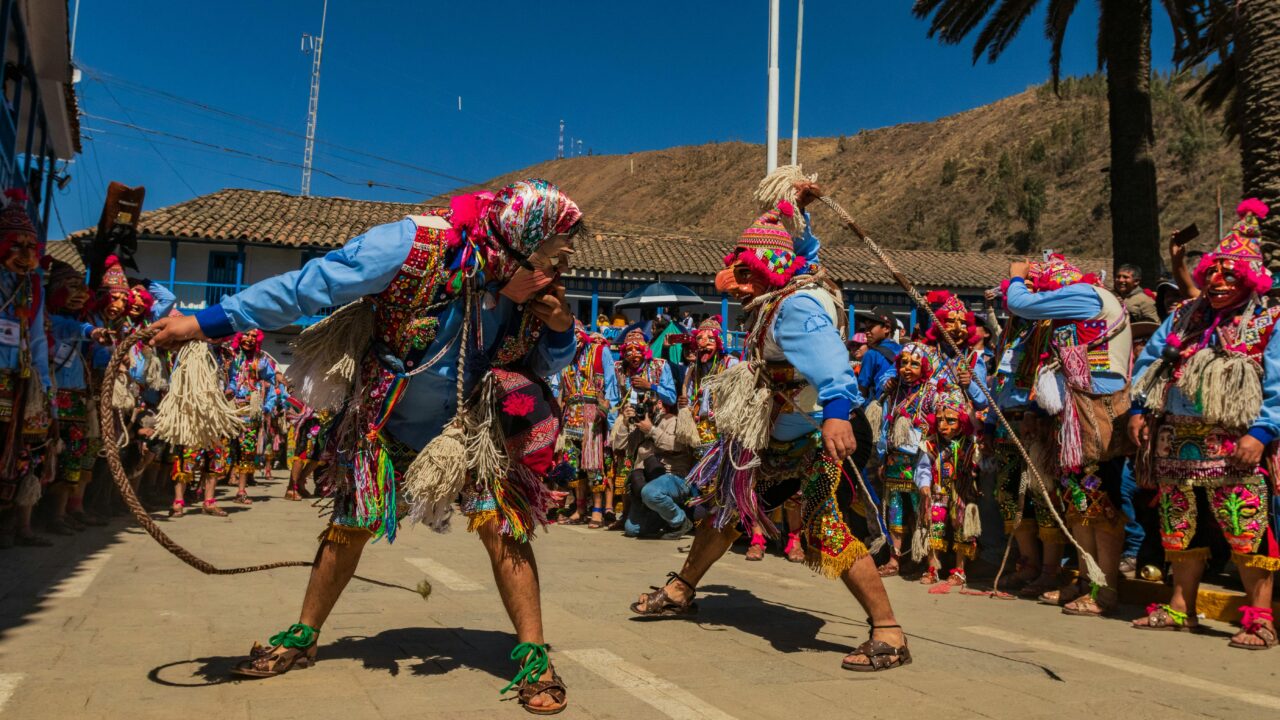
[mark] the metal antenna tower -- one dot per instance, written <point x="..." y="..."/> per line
<point x="560" y="147"/>
<point x="314" y="45"/>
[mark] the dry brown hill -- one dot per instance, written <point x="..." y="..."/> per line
<point x="1023" y="173"/>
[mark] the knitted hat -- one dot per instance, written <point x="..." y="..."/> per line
<point x="711" y="324"/>
<point x="1057" y="272"/>
<point x="954" y="401"/>
<point x="1240" y="249"/>
<point x="946" y="305"/>
<point x="113" y="279"/>
<point x="13" y="213"/>
<point x="59" y="278"/>
<point x="928" y="362"/>
<point x="635" y="338"/>
<point x="767" y="247"/>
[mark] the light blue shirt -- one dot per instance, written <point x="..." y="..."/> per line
<point x="812" y="344"/>
<point x="1073" y="302"/>
<point x="11" y="355"/>
<point x="164" y="300"/>
<point x="70" y="337"/>
<point x="366" y="265"/>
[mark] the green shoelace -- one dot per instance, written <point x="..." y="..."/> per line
<point x="297" y="637"/>
<point x="536" y="662"/>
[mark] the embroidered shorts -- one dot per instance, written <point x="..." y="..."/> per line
<point x="1240" y="509"/>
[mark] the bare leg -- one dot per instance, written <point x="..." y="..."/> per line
<point x="515" y="570"/>
<point x="1258" y="587"/>
<point x="1025" y="537"/>
<point x="709" y="545"/>
<point x="335" y="564"/>
<point x="1186" y="583"/>
<point x="868" y="589"/>
<point x="597" y="501"/>
<point x="1109" y="539"/>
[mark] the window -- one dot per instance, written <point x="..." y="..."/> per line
<point x="222" y="276"/>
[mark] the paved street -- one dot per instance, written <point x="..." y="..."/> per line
<point x="108" y="625"/>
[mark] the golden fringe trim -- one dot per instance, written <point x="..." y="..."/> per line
<point x="478" y="520"/>
<point x="343" y="535"/>
<point x="834" y="567"/>
<point x="1184" y="555"/>
<point x="246" y="467"/>
<point x="183" y="478"/>
<point x="1010" y="528"/>
<point x="937" y="544"/>
<point x="968" y="551"/>
<point x="1262" y="562"/>
<point x="1051" y="535"/>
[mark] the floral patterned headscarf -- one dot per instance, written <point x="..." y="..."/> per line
<point x="523" y="216"/>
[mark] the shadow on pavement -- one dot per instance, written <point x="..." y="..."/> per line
<point x="433" y="651"/>
<point x="786" y="628"/>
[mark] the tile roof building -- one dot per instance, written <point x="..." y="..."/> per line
<point x="214" y="244"/>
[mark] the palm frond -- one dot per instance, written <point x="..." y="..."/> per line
<point x="952" y="19"/>
<point x="1002" y="27"/>
<point x="1055" y="29"/>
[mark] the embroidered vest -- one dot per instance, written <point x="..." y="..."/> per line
<point x="803" y="396"/>
<point x="1113" y="355"/>
<point x="405" y="312"/>
<point x="652" y="371"/>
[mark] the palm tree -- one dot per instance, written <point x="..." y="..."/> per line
<point x="1240" y="40"/>
<point x="1124" y="51"/>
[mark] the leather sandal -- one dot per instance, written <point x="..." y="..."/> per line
<point x="794" y="550"/>
<point x="534" y="665"/>
<point x="880" y="655"/>
<point x="242" y="498"/>
<point x="211" y="508"/>
<point x="1256" y="622"/>
<point x="659" y="604"/>
<point x="1163" y="617"/>
<point x="1098" y="602"/>
<point x="755" y="553"/>
<point x="265" y="660"/>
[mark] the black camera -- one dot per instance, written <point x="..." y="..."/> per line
<point x="641" y="406"/>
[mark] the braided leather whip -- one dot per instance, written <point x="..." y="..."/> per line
<point x="107" y="416"/>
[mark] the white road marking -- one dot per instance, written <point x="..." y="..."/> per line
<point x="8" y="683"/>
<point x="1233" y="692"/>
<point x="75" y="584"/>
<point x="664" y="696"/>
<point x="444" y="575"/>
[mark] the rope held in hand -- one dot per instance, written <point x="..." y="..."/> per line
<point x="1086" y="558"/>
<point x="108" y="417"/>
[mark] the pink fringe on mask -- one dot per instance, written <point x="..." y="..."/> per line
<point x="1253" y="205"/>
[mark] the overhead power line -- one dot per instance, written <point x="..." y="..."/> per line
<point x="255" y="156"/>
<point x="105" y="79"/>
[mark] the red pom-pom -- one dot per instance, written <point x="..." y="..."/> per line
<point x="111" y="260"/>
<point x="1253" y="205"/>
<point x="786" y="208"/>
<point x="16" y="195"/>
<point x="936" y="297"/>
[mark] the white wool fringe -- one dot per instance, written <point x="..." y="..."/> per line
<point x="874" y="412"/>
<point x="435" y="478"/>
<point x="900" y="435"/>
<point x="687" y="428"/>
<point x="326" y="356"/>
<point x="1049" y="389"/>
<point x="29" y="491"/>
<point x="780" y="185"/>
<point x="971" y="524"/>
<point x="1228" y="386"/>
<point x="1151" y="387"/>
<point x="920" y="538"/>
<point x="472" y="443"/>
<point x="122" y="397"/>
<point x="742" y="405"/>
<point x="195" y="413"/>
<point x="153" y="370"/>
<point x="37" y="411"/>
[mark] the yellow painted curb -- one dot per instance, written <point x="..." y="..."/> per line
<point x="1218" y="605"/>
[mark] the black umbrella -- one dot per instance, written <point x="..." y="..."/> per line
<point x="660" y="294"/>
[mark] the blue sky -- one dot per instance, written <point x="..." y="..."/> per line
<point x="624" y="77"/>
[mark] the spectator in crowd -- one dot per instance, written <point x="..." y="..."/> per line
<point x="648" y="431"/>
<point x="881" y="354"/>
<point x="1128" y="287"/>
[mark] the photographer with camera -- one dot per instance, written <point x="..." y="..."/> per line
<point x="646" y="434"/>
